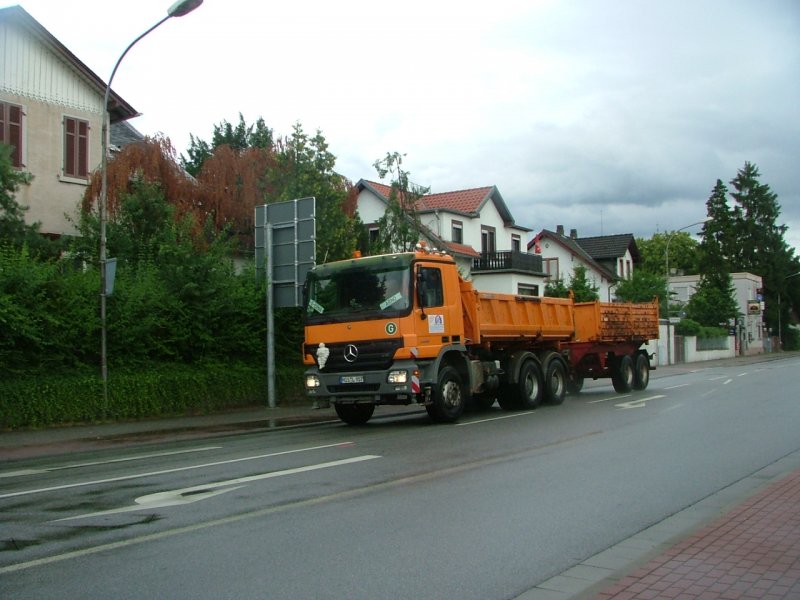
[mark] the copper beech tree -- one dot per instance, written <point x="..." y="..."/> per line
<point x="232" y="180"/>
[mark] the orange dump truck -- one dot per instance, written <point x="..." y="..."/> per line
<point x="407" y="329"/>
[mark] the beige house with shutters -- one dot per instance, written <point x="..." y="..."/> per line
<point x="51" y="111"/>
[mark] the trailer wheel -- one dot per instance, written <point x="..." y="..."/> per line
<point x="641" y="376"/>
<point x="354" y="414"/>
<point x="529" y="385"/>
<point x="449" y="397"/>
<point x="555" y="381"/>
<point x="574" y="384"/>
<point x="622" y="375"/>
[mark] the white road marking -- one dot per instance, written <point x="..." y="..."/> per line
<point x="742" y="374"/>
<point x="208" y="490"/>
<point x="165" y="471"/>
<point x="675" y="387"/>
<point x="22" y="472"/>
<point x="609" y="398"/>
<point x="509" y="416"/>
<point x="727" y="381"/>
<point x="639" y="403"/>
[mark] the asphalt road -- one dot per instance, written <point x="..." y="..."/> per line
<point x="400" y="508"/>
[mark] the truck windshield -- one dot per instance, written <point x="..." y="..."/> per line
<point x="360" y="289"/>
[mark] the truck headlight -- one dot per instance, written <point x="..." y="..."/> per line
<point x="312" y="381"/>
<point x="397" y="377"/>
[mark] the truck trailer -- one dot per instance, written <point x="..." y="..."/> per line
<point x="406" y="328"/>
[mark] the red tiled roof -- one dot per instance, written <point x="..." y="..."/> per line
<point x="462" y="249"/>
<point x="466" y="201"/>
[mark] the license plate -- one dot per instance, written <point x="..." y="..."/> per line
<point x="351" y="379"/>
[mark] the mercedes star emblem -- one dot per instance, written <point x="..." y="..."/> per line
<point x="350" y="353"/>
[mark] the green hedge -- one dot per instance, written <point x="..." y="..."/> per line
<point x="690" y="327"/>
<point x="161" y="390"/>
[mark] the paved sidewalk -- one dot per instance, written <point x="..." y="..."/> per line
<point x="751" y="552"/>
<point x="740" y="543"/>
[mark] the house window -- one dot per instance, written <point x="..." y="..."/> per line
<point x="11" y="131"/>
<point x="457" y="232"/>
<point x="551" y="267"/>
<point x="627" y="269"/>
<point x="488" y="240"/>
<point x="374" y="234"/>
<point x="76" y="148"/>
<point x="527" y="289"/>
<point x="516" y="243"/>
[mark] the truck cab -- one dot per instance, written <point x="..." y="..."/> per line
<point x="376" y="329"/>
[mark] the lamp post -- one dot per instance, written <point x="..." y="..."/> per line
<point x="178" y="9"/>
<point x="669" y="239"/>
<point x="780" y="331"/>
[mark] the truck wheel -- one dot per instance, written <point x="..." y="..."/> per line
<point x="622" y="374"/>
<point x="529" y="385"/>
<point x="449" y="397"/>
<point x="354" y="414"/>
<point x="575" y="384"/>
<point x="641" y="374"/>
<point x="555" y="382"/>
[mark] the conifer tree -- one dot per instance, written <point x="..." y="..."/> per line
<point x="760" y="247"/>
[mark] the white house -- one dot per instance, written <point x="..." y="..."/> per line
<point x="750" y="325"/>
<point x="607" y="259"/>
<point x="51" y="113"/>
<point x="473" y="225"/>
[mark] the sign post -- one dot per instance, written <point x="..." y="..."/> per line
<point x="285" y="244"/>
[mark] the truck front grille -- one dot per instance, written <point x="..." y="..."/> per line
<point x="369" y="355"/>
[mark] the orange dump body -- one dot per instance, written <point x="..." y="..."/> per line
<point x="616" y="322"/>
<point x="491" y="317"/>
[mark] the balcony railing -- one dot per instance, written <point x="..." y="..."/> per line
<point x="508" y="260"/>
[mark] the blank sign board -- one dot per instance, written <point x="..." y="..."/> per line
<point x="292" y="246"/>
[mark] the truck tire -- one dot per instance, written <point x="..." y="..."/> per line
<point x="529" y="385"/>
<point x="641" y="372"/>
<point x="355" y="413"/>
<point x="622" y="374"/>
<point x="575" y="384"/>
<point x="449" y="397"/>
<point x="555" y="381"/>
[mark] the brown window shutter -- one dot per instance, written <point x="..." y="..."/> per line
<point x="83" y="149"/>
<point x="11" y="130"/>
<point x="15" y="134"/>
<point x="69" y="147"/>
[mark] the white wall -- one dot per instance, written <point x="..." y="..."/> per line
<point x="566" y="268"/>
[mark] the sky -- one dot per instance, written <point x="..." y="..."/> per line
<point x="605" y="116"/>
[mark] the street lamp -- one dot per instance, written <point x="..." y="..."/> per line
<point x="669" y="239"/>
<point x="178" y="9"/>
<point x="780" y="331"/>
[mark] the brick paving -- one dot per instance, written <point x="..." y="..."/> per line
<point x="752" y="552"/>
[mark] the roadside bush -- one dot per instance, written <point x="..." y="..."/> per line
<point x="161" y="390"/>
<point x="690" y="327"/>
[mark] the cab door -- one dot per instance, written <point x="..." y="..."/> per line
<point x="438" y="309"/>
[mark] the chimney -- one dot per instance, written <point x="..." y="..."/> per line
<point x="560" y="229"/>
<point x="573" y="233"/>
